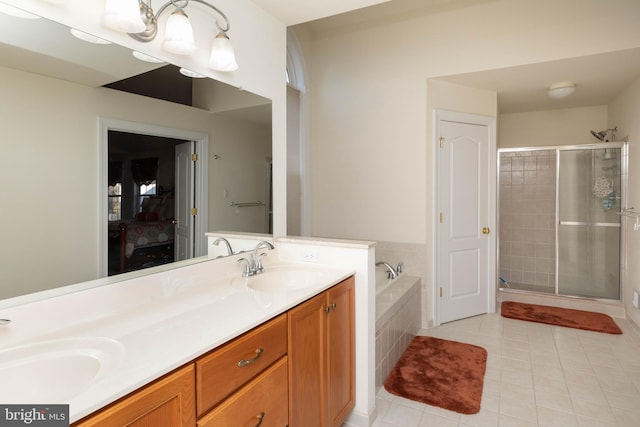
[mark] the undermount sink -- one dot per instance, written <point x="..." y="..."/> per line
<point x="57" y="370"/>
<point x="286" y="279"/>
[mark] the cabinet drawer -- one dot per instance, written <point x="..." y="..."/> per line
<point x="261" y="402"/>
<point x="221" y="372"/>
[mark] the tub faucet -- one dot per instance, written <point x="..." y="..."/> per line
<point x="391" y="272"/>
<point x="5" y="321"/>
<point x="226" y="242"/>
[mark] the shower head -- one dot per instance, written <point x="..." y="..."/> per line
<point x="602" y="135"/>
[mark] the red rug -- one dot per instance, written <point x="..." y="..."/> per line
<point x="557" y="316"/>
<point x="442" y="373"/>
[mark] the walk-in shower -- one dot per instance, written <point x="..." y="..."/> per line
<point x="559" y="219"/>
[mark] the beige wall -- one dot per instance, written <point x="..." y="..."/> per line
<point x="371" y="135"/>
<point x="551" y="127"/>
<point x="624" y="112"/>
<point x="49" y="173"/>
<point x="259" y="41"/>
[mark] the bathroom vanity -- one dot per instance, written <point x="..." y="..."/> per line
<point x="198" y="345"/>
<point x="274" y="374"/>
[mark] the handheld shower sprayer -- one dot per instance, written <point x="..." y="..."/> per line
<point x="602" y="135"/>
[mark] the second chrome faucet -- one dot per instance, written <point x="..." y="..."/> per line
<point x="253" y="265"/>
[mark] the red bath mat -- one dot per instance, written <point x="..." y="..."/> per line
<point x="557" y="316"/>
<point x="443" y="373"/>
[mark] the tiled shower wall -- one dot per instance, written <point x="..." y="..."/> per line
<point x="527" y="192"/>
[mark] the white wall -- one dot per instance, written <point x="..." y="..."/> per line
<point x="623" y="112"/>
<point x="49" y="173"/>
<point x="569" y="126"/>
<point x="371" y="145"/>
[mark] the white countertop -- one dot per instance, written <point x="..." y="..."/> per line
<point x="153" y="324"/>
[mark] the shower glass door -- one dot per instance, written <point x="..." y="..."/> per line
<point x="588" y="232"/>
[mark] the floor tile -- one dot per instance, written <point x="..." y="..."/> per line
<point x="537" y="375"/>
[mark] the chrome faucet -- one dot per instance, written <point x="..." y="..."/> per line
<point x="391" y="272"/>
<point x="257" y="258"/>
<point x="226" y="242"/>
<point x="254" y="264"/>
<point x="5" y="321"/>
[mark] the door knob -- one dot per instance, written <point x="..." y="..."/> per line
<point x="485" y="230"/>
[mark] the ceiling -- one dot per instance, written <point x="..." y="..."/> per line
<point x="292" y="12"/>
<point x="522" y="88"/>
<point x="598" y="78"/>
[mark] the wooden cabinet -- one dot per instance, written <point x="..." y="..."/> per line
<point x="169" y="401"/>
<point x="321" y="358"/>
<point x="226" y="369"/>
<point x="263" y="402"/>
<point x="296" y="369"/>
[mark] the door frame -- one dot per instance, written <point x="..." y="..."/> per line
<point x="474" y="119"/>
<point x="201" y="180"/>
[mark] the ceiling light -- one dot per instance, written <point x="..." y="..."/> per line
<point x="146" y="58"/>
<point x="88" y="37"/>
<point x="141" y="23"/>
<point x="189" y="73"/>
<point x="561" y="90"/>
<point x="18" y="13"/>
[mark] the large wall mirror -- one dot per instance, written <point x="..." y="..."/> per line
<point x="57" y="193"/>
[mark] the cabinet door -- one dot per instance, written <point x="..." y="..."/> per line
<point x="340" y="348"/>
<point x="306" y="363"/>
<point x="168" y="402"/>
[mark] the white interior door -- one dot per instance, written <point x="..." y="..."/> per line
<point x="185" y="201"/>
<point x="464" y="226"/>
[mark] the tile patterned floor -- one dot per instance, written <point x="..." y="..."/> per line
<point x="537" y="375"/>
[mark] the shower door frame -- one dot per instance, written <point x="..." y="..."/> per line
<point x="624" y="148"/>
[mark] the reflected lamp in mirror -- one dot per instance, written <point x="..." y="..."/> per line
<point x="141" y="23"/>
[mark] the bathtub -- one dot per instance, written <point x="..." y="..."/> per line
<point x="398" y="319"/>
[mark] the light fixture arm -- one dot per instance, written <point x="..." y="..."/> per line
<point x="151" y="20"/>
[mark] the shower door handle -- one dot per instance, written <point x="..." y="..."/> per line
<point x="485" y="230"/>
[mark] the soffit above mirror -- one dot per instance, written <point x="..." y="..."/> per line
<point x="47" y="48"/>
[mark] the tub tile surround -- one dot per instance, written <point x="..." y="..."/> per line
<point x="412" y="256"/>
<point x="397" y="323"/>
<point x="194" y="308"/>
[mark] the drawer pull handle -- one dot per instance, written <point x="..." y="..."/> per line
<point x="245" y="362"/>
<point x="260" y="417"/>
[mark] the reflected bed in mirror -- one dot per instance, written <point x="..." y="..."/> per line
<point x="53" y="169"/>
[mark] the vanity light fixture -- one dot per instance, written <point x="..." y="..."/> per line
<point x="141" y="23"/>
<point x="561" y="89"/>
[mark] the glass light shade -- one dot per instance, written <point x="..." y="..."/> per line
<point x="222" y="58"/>
<point x="178" y="34"/>
<point x="123" y="15"/>
<point x="561" y="90"/>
